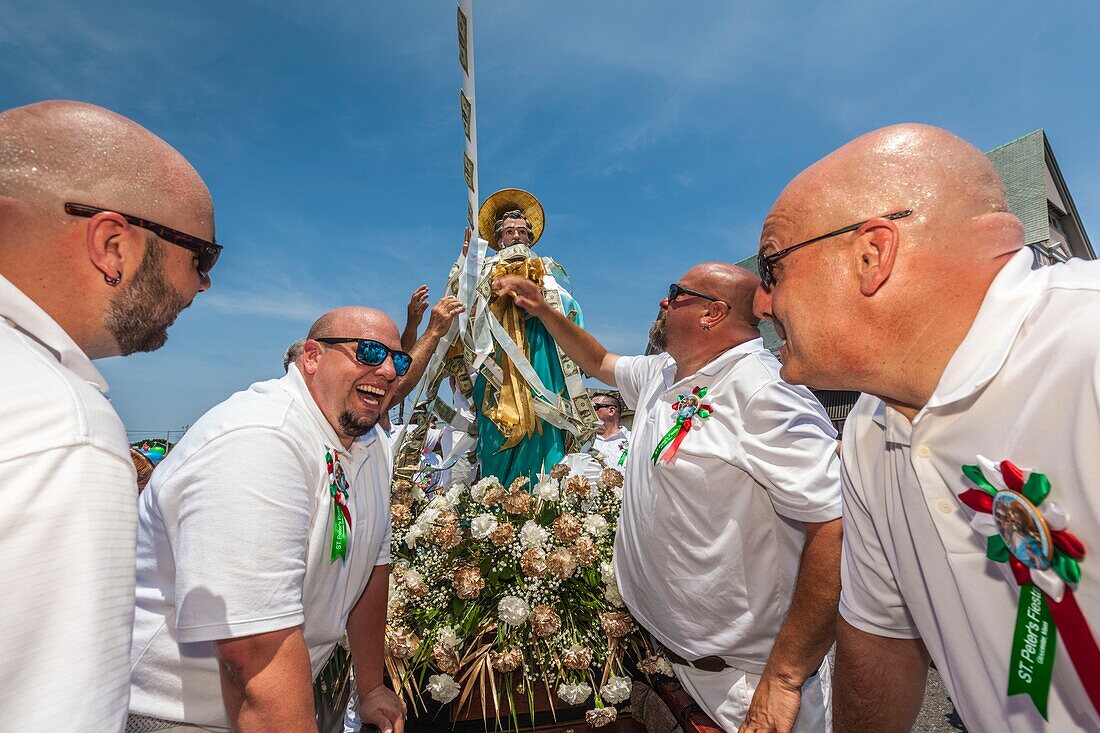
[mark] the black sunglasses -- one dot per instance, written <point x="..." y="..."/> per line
<point x="602" y="405"/>
<point x="373" y="353"/>
<point x="208" y="252"/>
<point x="764" y="262"/>
<point x="675" y="290"/>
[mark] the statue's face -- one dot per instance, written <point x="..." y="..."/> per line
<point x="514" y="232"/>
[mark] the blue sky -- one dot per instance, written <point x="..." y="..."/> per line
<point x="656" y="134"/>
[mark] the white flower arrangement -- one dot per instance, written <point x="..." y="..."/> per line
<point x="490" y="586"/>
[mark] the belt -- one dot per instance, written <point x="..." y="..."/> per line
<point x="711" y="663"/>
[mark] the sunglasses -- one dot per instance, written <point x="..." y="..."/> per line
<point x="601" y="406"/>
<point x="373" y="353"/>
<point x="765" y="262"/>
<point x="675" y="290"/>
<point x="208" y="252"/>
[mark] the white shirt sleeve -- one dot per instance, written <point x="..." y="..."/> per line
<point x="790" y="447"/>
<point x="243" y="514"/>
<point x="68" y="527"/>
<point x="870" y="598"/>
<point x="632" y="373"/>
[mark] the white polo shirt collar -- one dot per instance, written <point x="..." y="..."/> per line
<point x="296" y="385"/>
<point x="27" y="316"/>
<point x="987" y="344"/>
<point x="712" y="367"/>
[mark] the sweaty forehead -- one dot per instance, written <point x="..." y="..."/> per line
<point x="367" y="323"/>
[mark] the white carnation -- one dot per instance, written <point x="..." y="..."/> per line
<point x="418" y="494"/>
<point x="482" y="526"/>
<point x="414" y="534"/>
<point x="574" y="694"/>
<point x="665" y="667"/>
<point x="513" y="610"/>
<point x="477" y="491"/>
<point x="448" y="636"/>
<point x="611" y="594"/>
<point x="443" y="501"/>
<point x="442" y="687"/>
<point x="607" y="573"/>
<point x="413" y="579"/>
<point x="532" y="535"/>
<point x="427" y="517"/>
<point x="616" y="690"/>
<point x="595" y="525"/>
<point x="547" y="491"/>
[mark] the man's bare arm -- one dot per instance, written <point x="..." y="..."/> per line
<point x="418" y="303"/>
<point x="439" y="323"/>
<point x="267" y="682"/>
<point x="879" y="681"/>
<point x="378" y="704"/>
<point x="590" y="355"/>
<point x="805" y="636"/>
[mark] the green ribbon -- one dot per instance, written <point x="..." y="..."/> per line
<point x="669" y="437"/>
<point x="1033" y="645"/>
<point x="622" y="458"/>
<point x="339" y="534"/>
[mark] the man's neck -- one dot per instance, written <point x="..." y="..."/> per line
<point x="606" y="430"/>
<point x="706" y="352"/>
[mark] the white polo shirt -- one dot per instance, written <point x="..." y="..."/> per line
<point x="1024" y="385"/>
<point x="234" y="538"/>
<point x="614" y="447"/>
<point x="708" y="546"/>
<point x="67" y="523"/>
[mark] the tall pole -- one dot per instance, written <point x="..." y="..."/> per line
<point x="468" y="104"/>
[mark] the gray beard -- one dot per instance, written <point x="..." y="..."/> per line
<point x="139" y="316"/>
<point x="658" y="339"/>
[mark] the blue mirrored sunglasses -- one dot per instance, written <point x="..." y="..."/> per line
<point x="373" y="353"/>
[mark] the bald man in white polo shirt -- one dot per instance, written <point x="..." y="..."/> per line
<point x="264" y="535"/>
<point x="106" y="234"/>
<point x="728" y="546"/>
<point x="971" y="470"/>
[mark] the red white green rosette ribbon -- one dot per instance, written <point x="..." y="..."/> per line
<point x="690" y="411"/>
<point x="341" y="515"/>
<point x="1030" y="534"/>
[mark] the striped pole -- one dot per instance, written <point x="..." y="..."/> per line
<point x="468" y="104"/>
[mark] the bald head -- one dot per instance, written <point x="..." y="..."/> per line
<point x="946" y="181"/>
<point x="60" y="151"/>
<point x="734" y="286"/>
<point x="355" y="322"/>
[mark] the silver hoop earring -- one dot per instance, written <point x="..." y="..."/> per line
<point x="113" y="281"/>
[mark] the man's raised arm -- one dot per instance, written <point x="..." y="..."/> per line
<point x="590" y="355"/>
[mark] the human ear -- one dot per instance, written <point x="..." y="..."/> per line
<point x="876" y="248"/>
<point x="114" y="246"/>
<point x="311" y="354"/>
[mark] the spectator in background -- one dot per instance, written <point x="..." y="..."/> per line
<point x="106" y="234"/>
<point x="292" y="353"/>
<point x="612" y="437"/>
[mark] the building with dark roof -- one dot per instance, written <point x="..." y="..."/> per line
<point x="1037" y="194"/>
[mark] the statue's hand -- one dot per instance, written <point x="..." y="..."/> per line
<point x="526" y="294"/>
